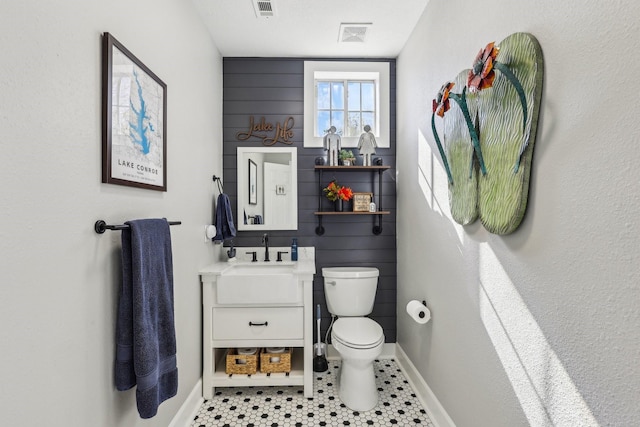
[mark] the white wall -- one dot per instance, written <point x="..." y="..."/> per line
<point x="540" y="327"/>
<point x="59" y="279"/>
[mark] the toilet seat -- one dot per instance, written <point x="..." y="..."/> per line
<point x="357" y="332"/>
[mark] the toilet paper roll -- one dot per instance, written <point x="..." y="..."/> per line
<point x="245" y="352"/>
<point x="275" y="350"/>
<point x="210" y="231"/>
<point x="418" y="312"/>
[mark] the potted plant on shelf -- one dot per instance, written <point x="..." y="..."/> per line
<point x="347" y="158"/>
<point x="338" y="194"/>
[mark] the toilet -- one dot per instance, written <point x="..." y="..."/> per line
<point x="350" y="293"/>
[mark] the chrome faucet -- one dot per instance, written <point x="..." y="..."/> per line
<point x="265" y="242"/>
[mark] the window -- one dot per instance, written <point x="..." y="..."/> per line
<point x="348" y="105"/>
<point x="347" y="95"/>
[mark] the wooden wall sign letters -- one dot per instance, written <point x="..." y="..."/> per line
<point x="270" y="135"/>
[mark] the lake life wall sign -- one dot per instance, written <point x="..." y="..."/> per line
<point x="134" y="120"/>
<point x="269" y="133"/>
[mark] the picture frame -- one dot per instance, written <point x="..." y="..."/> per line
<point x="253" y="183"/>
<point x="361" y="201"/>
<point x="134" y="120"/>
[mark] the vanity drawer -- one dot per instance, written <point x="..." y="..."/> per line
<point x="241" y="323"/>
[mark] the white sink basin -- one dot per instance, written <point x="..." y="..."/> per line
<point x="258" y="283"/>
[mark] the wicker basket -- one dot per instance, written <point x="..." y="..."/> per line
<point x="245" y="364"/>
<point x="275" y="362"/>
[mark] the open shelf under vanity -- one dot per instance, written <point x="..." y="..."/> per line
<point x="259" y="379"/>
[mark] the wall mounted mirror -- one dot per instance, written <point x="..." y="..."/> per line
<point x="267" y="188"/>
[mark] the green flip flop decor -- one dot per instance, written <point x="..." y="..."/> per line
<point x="503" y="192"/>
<point x="460" y="149"/>
<point x="505" y="106"/>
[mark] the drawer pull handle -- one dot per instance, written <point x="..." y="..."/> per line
<point x="259" y="324"/>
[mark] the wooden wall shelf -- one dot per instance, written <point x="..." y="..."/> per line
<point x="377" y="228"/>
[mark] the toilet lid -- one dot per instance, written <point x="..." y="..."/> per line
<point x="350" y="272"/>
<point x="358" y="332"/>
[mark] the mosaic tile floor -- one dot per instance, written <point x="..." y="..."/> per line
<point x="286" y="406"/>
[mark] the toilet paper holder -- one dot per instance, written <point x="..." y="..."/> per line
<point x="418" y="311"/>
<point x="424" y="302"/>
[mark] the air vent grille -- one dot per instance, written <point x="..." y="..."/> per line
<point x="353" y="32"/>
<point x="264" y="8"/>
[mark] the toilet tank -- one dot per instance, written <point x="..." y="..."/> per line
<point x="350" y="291"/>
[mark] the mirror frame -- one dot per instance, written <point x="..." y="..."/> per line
<point x="243" y="185"/>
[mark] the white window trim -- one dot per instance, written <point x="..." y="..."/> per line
<point x="322" y="70"/>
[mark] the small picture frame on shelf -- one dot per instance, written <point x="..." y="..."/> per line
<point x="361" y="201"/>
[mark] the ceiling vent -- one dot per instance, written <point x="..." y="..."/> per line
<point x="264" y="8"/>
<point x="353" y="32"/>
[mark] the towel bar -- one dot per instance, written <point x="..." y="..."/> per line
<point x="100" y="226"/>
<point x="218" y="180"/>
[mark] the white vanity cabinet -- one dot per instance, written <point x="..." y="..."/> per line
<point x="267" y="322"/>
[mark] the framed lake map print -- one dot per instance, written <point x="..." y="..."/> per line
<point x="134" y="120"/>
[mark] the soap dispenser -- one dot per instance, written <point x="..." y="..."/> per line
<point x="294" y="249"/>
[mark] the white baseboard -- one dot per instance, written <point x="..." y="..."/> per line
<point x="429" y="400"/>
<point x="189" y="409"/>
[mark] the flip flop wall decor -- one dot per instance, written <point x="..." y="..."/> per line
<point x="463" y="187"/>
<point x="490" y="118"/>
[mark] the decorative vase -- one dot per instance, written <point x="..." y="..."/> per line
<point x="339" y="205"/>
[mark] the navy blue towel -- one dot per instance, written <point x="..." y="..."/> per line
<point x="225" y="229"/>
<point x="145" y="330"/>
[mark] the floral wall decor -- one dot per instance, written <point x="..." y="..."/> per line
<point x="490" y="117"/>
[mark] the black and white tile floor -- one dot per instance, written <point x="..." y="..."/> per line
<point x="286" y="406"/>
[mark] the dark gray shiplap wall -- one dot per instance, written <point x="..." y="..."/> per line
<point x="273" y="89"/>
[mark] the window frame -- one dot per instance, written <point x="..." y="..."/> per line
<point x="347" y="71"/>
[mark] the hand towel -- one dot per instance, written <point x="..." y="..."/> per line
<point x="224" y="219"/>
<point x="145" y="330"/>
